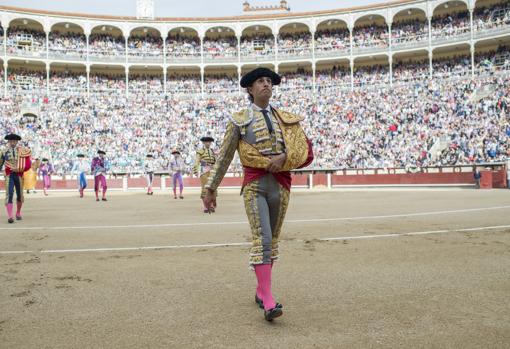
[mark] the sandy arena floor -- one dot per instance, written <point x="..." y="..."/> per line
<point x="359" y="269"/>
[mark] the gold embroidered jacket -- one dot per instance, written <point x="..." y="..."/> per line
<point x="247" y="133"/>
<point x="15" y="159"/>
<point x="204" y="160"/>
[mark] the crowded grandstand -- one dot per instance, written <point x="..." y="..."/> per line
<point x="403" y="85"/>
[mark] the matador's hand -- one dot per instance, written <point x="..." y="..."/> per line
<point x="276" y="163"/>
<point x="210" y="200"/>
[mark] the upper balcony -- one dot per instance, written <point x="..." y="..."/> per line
<point x="183" y="46"/>
<point x="107" y="44"/>
<point x="370" y="35"/>
<point x="67" y="41"/>
<point x="257" y="44"/>
<point x="450" y="23"/>
<point x="294" y="42"/>
<point x="26" y="38"/>
<point x="145" y="45"/>
<point x="332" y="38"/>
<point x="220" y="45"/>
<point x="410" y="30"/>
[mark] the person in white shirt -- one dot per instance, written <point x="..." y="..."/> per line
<point x="177" y="168"/>
<point x="80" y="168"/>
<point x="149" y="172"/>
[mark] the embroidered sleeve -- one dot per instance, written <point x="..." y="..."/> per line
<point x="228" y="149"/>
<point x="196" y="166"/>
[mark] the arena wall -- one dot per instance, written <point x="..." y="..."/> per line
<point x="490" y="179"/>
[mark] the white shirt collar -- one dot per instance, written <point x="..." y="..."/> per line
<point x="257" y="108"/>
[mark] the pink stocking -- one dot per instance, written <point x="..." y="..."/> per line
<point x="263" y="272"/>
<point x="18" y="208"/>
<point x="9" y="210"/>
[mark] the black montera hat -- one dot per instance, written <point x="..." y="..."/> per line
<point x="249" y="78"/>
<point x="12" y="137"/>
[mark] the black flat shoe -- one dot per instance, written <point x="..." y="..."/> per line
<point x="104" y="199"/>
<point x="18" y="218"/>
<point x="10" y="220"/>
<point x="271" y="314"/>
<point x="260" y="303"/>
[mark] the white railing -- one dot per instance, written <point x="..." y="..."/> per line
<point x="29" y="49"/>
<point x="255" y="55"/>
<point x="67" y="54"/>
<point x="449" y="32"/>
<point x="409" y="39"/>
<point x="372" y="84"/>
<point x="295" y="52"/>
<point x="221" y="90"/>
<point x="374" y="47"/>
<point x="218" y="56"/>
<point x="328" y="50"/>
<point x="107" y="55"/>
<point x="410" y="78"/>
<point x="35" y="50"/>
<point x="457" y="74"/>
<point x="150" y="56"/>
<point x="190" y="57"/>
<point x="456" y="71"/>
<point x="333" y="86"/>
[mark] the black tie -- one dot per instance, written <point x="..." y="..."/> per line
<point x="268" y="120"/>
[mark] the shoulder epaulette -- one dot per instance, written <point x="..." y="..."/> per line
<point x="289" y="118"/>
<point x="24" y="152"/>
<point x="241" y="118"/>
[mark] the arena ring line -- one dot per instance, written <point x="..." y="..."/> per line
<point x="290" y="221"/>
<point x="244" y="244"/>
<point x="234" y="244"/>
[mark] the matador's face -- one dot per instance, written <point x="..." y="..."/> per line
<point x="12" y="143"/>
<point x="262" y="88"/>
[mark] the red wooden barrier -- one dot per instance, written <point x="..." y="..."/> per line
<point x="405" y="178"/>
<point x="499" y="179"/>
<point x="486" y="180"/>
<point x="320" y="179"/>
<point x="490" y="179"/>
